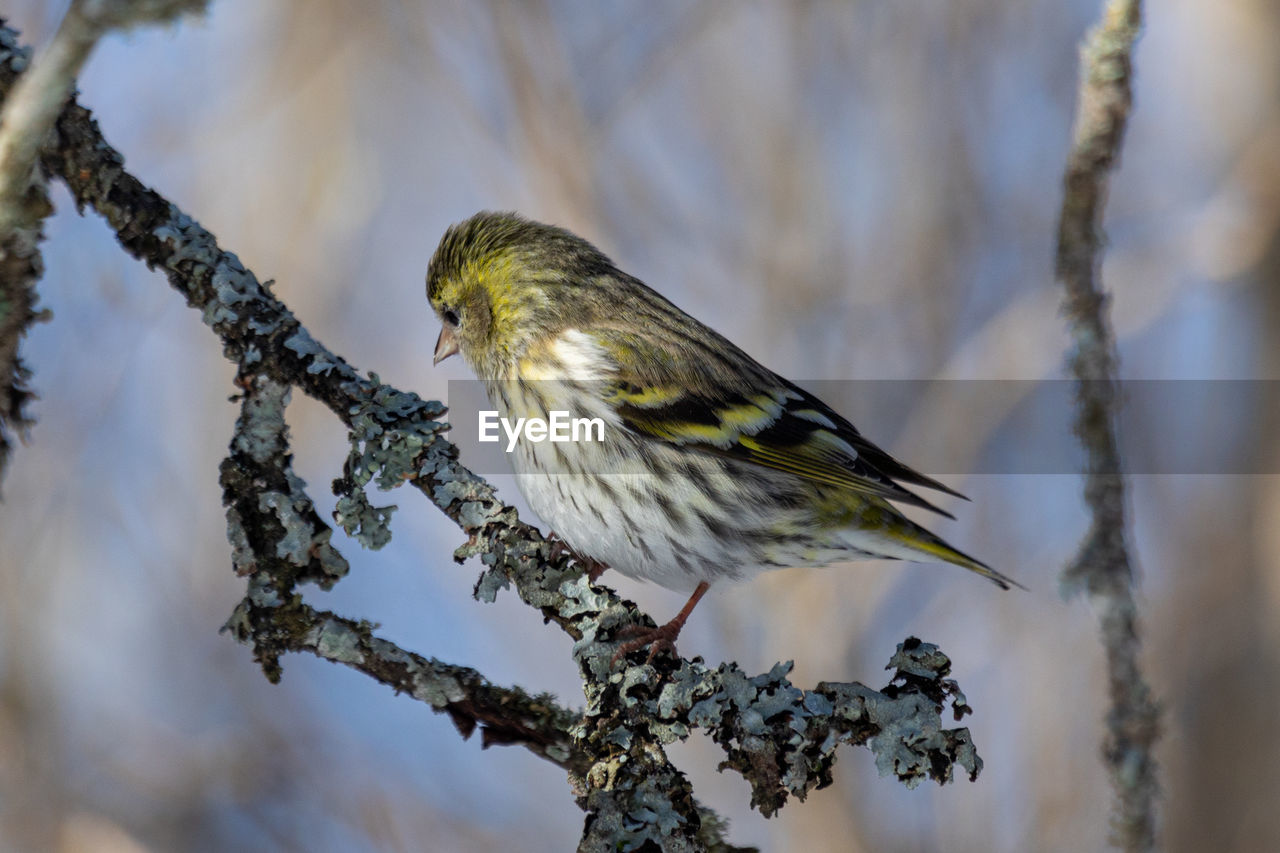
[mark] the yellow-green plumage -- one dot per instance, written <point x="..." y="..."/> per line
<point x="712" y="465"/>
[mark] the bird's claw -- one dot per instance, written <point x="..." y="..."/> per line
<point x="558" y="548"/>
<point x="594" y="568"/>
<point x="662" y="638"/>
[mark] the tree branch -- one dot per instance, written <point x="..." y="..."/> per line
<point x="32" y="104"/>
<point x="1103" y="566"/>
<point x="278" y="540"/>
<point x="781" y="738"/>
<point x="20" y="264"/>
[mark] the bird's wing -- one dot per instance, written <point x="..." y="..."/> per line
<point x="718" y="400"/>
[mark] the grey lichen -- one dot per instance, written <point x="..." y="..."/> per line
<point x="318" y="360"/>
<point x="489" y="585"/>
<point x="390" y="429"/>
<point x="271" y="501"/>
<point x="295" y="546"/>
<point x="783" y="739"/>
<point x="242" y="557"/>
<point x="334" y="641"/>
<point x="367" y="524"/>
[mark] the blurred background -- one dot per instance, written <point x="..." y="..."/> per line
<point x="850" y="190"/>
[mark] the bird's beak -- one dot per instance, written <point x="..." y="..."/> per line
<point x="446" y="345"/>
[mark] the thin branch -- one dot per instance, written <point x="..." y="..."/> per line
<point x="781" y="738"/>
<point x="30" y="109"/>
<point x="33" y="100"/>
<point x="1103" y="566"/>
<point x="20" y="269"/>
<point x="34" y="103"/>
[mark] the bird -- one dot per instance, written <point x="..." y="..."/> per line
<point x="710" y="467"/>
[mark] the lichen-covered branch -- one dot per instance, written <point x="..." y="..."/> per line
<point x="781" y="738"/>
<point x="1103" y="567"/>
<point x="278" y="540"/>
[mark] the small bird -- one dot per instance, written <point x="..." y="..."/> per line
<point x="709" y="466"/>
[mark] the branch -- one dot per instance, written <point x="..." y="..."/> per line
<point x="20" y="267"/>
<point x="278" y="540"/>
<point x="1103" y="566"/>
<point x="35" y="102"/>
<point x="31" y="105"/>
<point x="781" y="738"/>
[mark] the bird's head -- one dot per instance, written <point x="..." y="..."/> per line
<point x="501" y="283"/>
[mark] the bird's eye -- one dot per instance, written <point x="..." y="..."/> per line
<point x="451" y="317"/>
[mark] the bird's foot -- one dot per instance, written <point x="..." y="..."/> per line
<point x="662" y="638"/>
<point x="556" y="547"/>
<point x="594" y="568"/>
<point x="559" y="548"/>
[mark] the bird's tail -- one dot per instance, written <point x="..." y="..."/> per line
<point x="904" y="539"/>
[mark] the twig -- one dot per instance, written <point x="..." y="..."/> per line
<point x="1103" y="566"/>
<point x="33" y="105"/>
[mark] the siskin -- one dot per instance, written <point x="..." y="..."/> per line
<point x="710" y="467"/>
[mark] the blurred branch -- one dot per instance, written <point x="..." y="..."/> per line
<point x="1103" y="566"/>
<point x="31" y="105"/>
<point x="30" y="109"/>
<point x="24" y="204"/>
<point x="782" y="739"/>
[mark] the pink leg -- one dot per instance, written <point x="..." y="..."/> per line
<point x="664" y="636"/>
